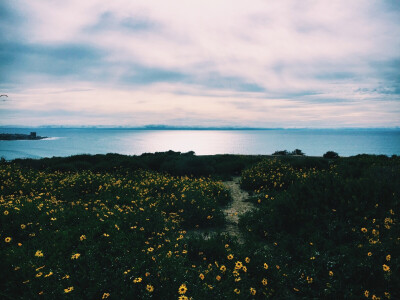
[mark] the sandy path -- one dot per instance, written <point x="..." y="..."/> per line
<point x="236" y="208"/>
<point x="231" y="212"/>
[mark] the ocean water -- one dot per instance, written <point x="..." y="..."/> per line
<point x="313" y="142"/>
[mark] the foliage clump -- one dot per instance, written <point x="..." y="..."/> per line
<point x="331" y="155"/>
<point x="285" y="152"/>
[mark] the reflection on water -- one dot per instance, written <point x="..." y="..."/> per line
<point x="202" y="142"/>
<point x="64" y="142"/>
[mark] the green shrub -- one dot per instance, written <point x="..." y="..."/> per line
<point x="331" y="155"/>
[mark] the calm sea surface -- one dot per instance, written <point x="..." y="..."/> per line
<point x="313" y="142"/>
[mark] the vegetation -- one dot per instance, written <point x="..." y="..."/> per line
<point x="334" y="230"/>
<point x="285" y="152"/>
<point x="118" y="227"/>
<point x="331" y="154"/>
<point x="174" y="163"/>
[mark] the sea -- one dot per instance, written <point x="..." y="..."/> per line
<point x="313" y="142"/>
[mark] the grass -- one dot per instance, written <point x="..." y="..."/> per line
<point x="87" y="228"/>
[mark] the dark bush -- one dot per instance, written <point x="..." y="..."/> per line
<point x="331" y="155"/>
<point x="281" y="152"/>
<point x="297" y="152"/>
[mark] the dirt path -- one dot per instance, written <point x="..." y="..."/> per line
<point x="231" y="212"/>
<point x="236" y="208"/>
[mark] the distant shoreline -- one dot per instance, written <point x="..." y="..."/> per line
<point x="167" y="127"/>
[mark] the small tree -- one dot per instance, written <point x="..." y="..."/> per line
<point x="331" y="154"/>
<point x="297" y="152"/>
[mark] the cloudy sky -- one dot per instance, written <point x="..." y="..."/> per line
<point x="200" y="63"/>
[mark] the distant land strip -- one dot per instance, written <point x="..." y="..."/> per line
<point x="19" y="136"/>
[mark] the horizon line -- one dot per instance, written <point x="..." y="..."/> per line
<point x="173" y="127"/>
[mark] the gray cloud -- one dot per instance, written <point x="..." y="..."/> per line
<point x="285" y="56"/>
<point x="107" y="21"/>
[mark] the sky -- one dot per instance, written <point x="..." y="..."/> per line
<point x="234" y="63"/>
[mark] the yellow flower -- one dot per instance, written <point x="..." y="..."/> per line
<point x="223" y="268"/>
<point x="238" y="265"/>
<point x="7" y="239"/>
<point x="387" y="295"/>
<point x="183" y="297"/>
<point x="366" y="293"/>
<point x="137" y="280"/>
<point x="218" y="278"/>
<point x="247" y="260"/>
<point x="244" y="269"/>
<point x="39" y="274"/>
<point x="265" y="266"/>
<point x="105" y="295"/>
<point x="23" y="226"/>
<point x="386" y="268"/>
<point x="309" y="279"/>
<point x="364" y="230"/>
<point x="369" y="253"/>
<point x="70" y="289"/>
<point x="226" y="245"/>
<point x="388" y="257"/>
<point x="75" y="256"/>
<point x="330" y="273"/>
<point x="230" y="257"/>
<point x="237" y="291"/>
<point x="6" y="212"/>
<point x="182" y="289"/>
<point x="48" y="275"/>
<point x="149" y="288"/>
<point x="252" y="291"/>
<point x="201" y="276"/>
<point x="82" y="237"/>
<point x="264" y="281"/>
<point x="39" y="253"/>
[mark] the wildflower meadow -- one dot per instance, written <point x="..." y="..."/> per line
<point x="321" y="229"/>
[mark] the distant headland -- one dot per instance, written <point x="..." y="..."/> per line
<point x="19" y="136"/>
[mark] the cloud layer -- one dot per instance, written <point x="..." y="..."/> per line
<point x="207" y="63"/>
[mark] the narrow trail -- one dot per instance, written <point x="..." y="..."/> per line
<point x="231" y="212"/>
<point x="237" y="207"/>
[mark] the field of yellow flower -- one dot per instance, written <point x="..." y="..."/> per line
<point x="335" y="228"/>
<point x="319" y="230"/>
